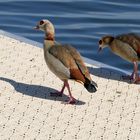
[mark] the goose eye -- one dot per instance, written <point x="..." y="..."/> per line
<point x="100" y="42"/>
<point x="41" y="22"/>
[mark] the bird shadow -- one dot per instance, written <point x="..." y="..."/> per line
<point x="37" y="91"/>
<point x="108" y="73"/>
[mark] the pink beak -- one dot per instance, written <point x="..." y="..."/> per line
<point x="36" y="28"/>
<point x="100" y="49"/>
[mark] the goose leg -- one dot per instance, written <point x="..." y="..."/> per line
<point x="136" y="77"/>
<point x="59" y="93"/>
<point x="128" y="77"/>
<point x="71" y="100"/>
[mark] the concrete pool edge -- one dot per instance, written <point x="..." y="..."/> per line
<point x="87" y="60"/>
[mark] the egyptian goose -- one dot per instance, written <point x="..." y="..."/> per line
<point x="127" y="46"/>
<point x="64" y="61"/>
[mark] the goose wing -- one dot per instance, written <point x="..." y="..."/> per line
<point x="72" y="59"/>
<point x="133" y="40"/>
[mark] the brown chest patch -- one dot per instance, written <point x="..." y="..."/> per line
<point x="49" y="37"/>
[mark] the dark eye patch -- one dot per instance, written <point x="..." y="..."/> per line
<point x="100" y="42"/>
<point x="41" y="22"/>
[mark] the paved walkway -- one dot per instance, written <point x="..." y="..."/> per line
<point x="28" y="112"/>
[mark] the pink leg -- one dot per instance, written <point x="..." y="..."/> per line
<point x="56" y="94"/>
<point x="134" y="76"/>
<point x="71" y="100"/>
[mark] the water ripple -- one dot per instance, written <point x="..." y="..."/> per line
<point x="80" y="23"/>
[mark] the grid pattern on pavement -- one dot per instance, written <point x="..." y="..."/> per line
<point x="28" y="112"/>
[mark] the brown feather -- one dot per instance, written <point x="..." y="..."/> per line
<point x="79" y="61"/>
<point x="77" y="75"/>
<point x="132" y="39"/>
<point x="71" y="58"/>
<point x="49" y="37"/>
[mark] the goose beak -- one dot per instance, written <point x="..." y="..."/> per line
<point x="100" y="49"/>
<point x="36" y="28"/>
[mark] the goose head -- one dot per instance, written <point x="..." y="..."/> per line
<point x="105" y="42"/>
<point x="46" y="26"/>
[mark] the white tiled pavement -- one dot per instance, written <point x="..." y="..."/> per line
<point x="28" y="112"/>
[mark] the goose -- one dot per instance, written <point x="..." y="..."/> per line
<point x="127" y="46"/>
<point x="64" y="61"/>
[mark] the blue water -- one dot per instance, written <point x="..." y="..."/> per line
<point x="77" y="22"/>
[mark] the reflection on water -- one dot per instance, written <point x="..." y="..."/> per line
<point x="78" y="22"/>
